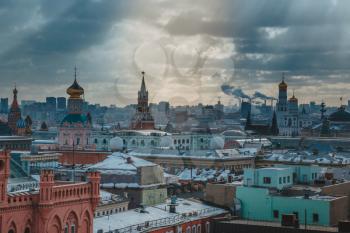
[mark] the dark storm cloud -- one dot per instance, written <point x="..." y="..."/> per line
<point x="41" y="41"/>
<point x="67" y="28"/>
<point x="300" y="37"/>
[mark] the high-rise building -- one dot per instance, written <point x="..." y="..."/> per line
<point x="61" y="103"/>
<point x="51" y="103"/>
<point x="25" y="103"/>
<point x="4" y="107"/>
<point x="246" y="108"/>
<point x="142" y="118"/>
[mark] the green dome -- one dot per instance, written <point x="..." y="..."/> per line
<point x="75" y="118"/>
<point x="340" y="115"/>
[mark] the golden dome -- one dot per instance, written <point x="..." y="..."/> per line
<point x="283" y="85"/>
<point x="75" y="90"/>
<point x="293" y="99"/>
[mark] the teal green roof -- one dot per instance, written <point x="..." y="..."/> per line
<point x="340" y="115"/>
<point x="74" y="118"/>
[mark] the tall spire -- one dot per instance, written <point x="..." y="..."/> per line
<point x="75" y="73"/>
<point x="14" y="102"/>
<point x="15" y="92"/>
<point x="143" y="85"/>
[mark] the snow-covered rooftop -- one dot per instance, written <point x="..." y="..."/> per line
<point x="155" y="216"/>
<point x="121" y="162"/>
<point x="197" y="154"/>
<point x="309" y="158"/>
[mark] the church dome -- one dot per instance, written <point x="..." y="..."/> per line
<point x="74" y="119"/>
<point x="21" y="124"/>
<point x="341" y="115"/>
<point x="75" y="90"/>
<point x="116" y="144"/>
<point x="283" y="85"/>
<point x="293" y="99"/>
<point x="217" y="143"/>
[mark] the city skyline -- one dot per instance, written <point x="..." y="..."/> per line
<point x="188" y="50"/>
<point x="233" y="93"/>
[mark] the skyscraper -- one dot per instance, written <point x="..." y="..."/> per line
<point x="51" y="103"/>
<point x="4" y="107"/>
<point x="61" y="103"/>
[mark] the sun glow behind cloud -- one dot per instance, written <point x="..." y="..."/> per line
<point x="188" y="49"/>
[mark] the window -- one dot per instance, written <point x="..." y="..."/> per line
<point x="275" y="214"/>
<point x="280" y="180"/>
<point x="296" y="215"/>
<point x="267" y="180"/>
<point x="194" y="229"/>
<point x="284" y="180"/>
<point x="78" y="141"/>
<point x="66" y="229"/>
<point x="207" y="227"/>
<point x="72" y="229"/>
<point x="288" y="179"/>
<point x="199" y="228"/>
<point x="96" y="141"/>
<point x="188" y="230"/>
<point x="315" y="217"/>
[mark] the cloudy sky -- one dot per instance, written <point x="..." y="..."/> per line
<point x="188" y="49"/>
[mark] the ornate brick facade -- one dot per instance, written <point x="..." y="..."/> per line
<point x="56" y="207"/>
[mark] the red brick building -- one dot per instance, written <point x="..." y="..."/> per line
<point x="55" y="207"/>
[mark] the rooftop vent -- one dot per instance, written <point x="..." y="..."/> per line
<point x="129" y="160"/>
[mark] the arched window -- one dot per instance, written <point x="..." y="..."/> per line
<point x="72" y="229"/>
<point x="71" y="223"/>
<point x="199" y="228"/>
<point x="104" y="141"/>
<point x="194" y="229"/>
<point x="96" y="141"/>
<point x="27" y="230"/>
<point x="207" y="227"/>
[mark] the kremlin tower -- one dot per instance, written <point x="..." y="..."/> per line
<point x="75" y="128"/>
<point x="142" y="119"/>
<point x="14" y="115"/>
